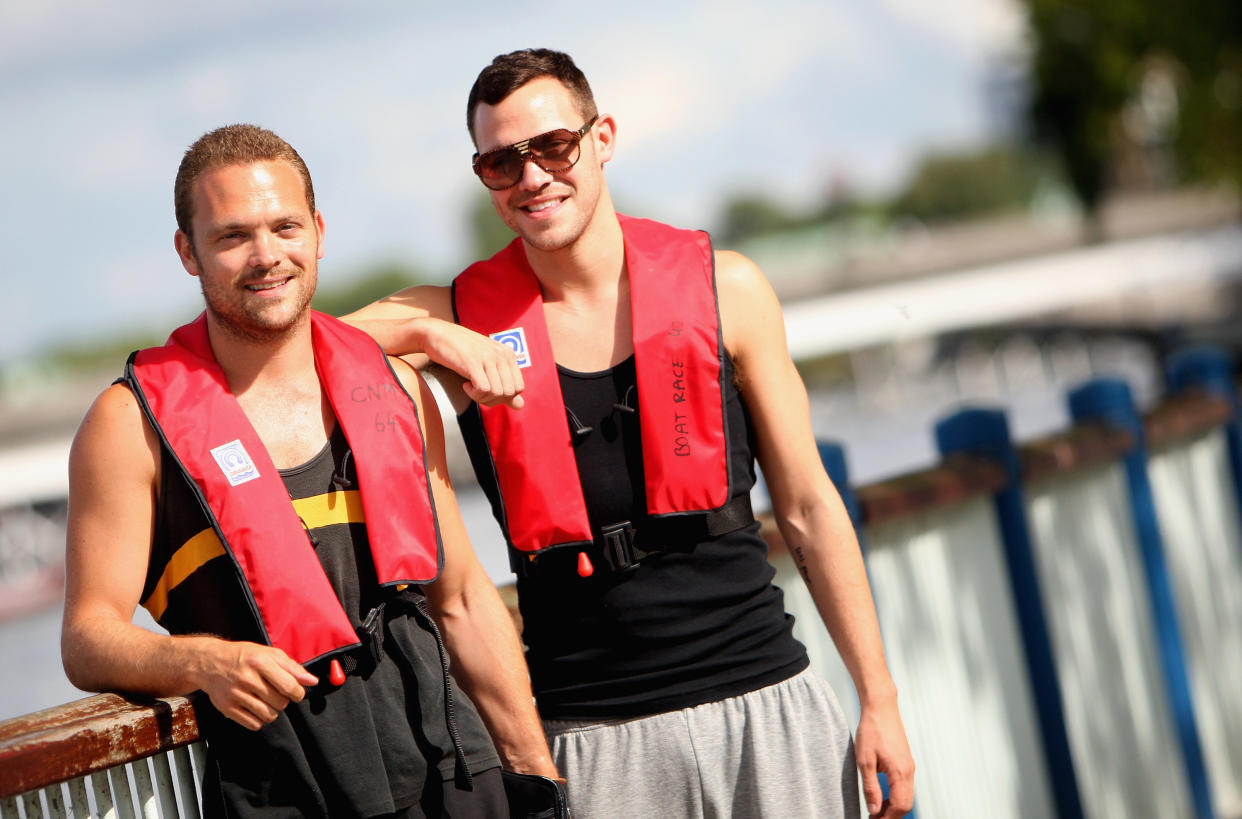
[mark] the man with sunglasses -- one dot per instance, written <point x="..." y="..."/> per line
<point x="624" y="378"/>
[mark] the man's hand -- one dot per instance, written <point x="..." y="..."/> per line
<point x="880" y="746"/>
<point x="251" y="683"/>
<point x="490" y="369"/>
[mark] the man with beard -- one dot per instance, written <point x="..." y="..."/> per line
<point x="651" y="371"/>
<point x="273" y="490"/>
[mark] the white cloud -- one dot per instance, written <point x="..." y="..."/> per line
<point x="986" y="26"/>
<point x="781" y="96"/>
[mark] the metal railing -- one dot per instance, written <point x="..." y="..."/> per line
<point x="105" y="756"/>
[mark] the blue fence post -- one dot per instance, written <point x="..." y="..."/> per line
<point x="832" y="456"/>
<point x="1212" y="370"/>
<point x="1109" y="401"/>
<point x="985" y="432"/>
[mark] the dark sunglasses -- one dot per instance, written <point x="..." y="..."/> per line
<point x="555" y="152"/>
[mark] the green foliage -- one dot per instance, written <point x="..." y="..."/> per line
<point x="949" y="186"/>
<point x="376" y="283"/>
<point x="749" y="215"/>
<point x="1089" y="63"/>
<point x="94" y="356"/>
<point x="488" y="232"/>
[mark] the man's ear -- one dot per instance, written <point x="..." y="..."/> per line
<point x="185" y="250"/>
<point x="319" y="225"/>
<point x="605" y="135"/>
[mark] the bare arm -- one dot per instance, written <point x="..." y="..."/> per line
<point x="813" y="520"/>
<point x="113" y="475"/>
<point x="417" y="324"/>
<point x="486" y="655"/>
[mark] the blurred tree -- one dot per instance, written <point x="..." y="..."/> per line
<point x="749" y="215"/>
<point x="377" y="282"/>
<point x="1209" y="46"/>
<point x="488" y="232"/>
<point x="107" y="355"/>
<point x="1082" y="58"/>
<point x="960" y="185"/>
<point x="1111" y="78"/>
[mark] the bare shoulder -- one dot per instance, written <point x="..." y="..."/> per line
<point x="115" y="438"/>
<point x="747" y="302"/>
<point x="735" y="270"/>
<point x="411" y="379"/>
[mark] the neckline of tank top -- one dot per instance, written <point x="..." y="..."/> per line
<point x="314" y="459"/>
<point x="627" y="361"/>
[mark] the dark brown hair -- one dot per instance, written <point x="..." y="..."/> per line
<point x="231" y="145"/>
<point x="509" y="72"/>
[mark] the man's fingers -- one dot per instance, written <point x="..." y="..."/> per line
<point x="248" y="710"/>
<point x="244" y="718"/>
<point x="476" y="378"/>
<point x="294" y="680"/>
<point x="506" y="372"/>
<point x="900" y="793"/>
<point x="495" y="379"/>
<point x="871" y="789"/>
<point x="254" y="713"/>
<point x="475" y="394"/>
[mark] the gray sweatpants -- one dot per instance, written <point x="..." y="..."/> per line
<point x="781" y="752"/>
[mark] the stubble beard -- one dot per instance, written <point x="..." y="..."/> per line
<point x="267" y="323"/>
<point x="560" y="236"/>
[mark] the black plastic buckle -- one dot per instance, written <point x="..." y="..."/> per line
<point x="371" y="632"/>
<point x="617" y="546"/>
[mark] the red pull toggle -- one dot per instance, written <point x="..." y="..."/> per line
<point x="585" y="569"/>
<point x="336" y="674"/>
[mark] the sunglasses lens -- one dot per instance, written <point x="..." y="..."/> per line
<point x="556" y="151"/>
<point x="500" y="169"/>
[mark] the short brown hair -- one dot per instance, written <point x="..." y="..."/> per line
<point x="509" y="72"/>
<point x="231" y="145"/>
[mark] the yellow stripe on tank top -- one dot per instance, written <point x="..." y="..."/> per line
<point x="341" y="506"/>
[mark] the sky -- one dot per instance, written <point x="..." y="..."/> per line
<point x="783" y="98"/>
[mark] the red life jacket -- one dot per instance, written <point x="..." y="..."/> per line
<point x="678" y="354"/>
<point x="186" y="398"/>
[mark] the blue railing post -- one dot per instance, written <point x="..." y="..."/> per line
<point x="1212" y="370"/>
<point x="985" y="432"/>
<point x="1109" y="401"/>
<point x="832" y="456"/>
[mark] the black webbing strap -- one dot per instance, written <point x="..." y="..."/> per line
<point x="620" y="546"/>
<point x="418" y="606"/>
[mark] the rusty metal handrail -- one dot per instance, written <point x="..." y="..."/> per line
<point x="89" y="735"/>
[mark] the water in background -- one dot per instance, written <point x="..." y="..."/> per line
<point x="885" y="421"/>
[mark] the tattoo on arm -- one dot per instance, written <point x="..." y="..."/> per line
<point x="800" y="559"/>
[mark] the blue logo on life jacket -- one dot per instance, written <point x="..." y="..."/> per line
<point x="515" y="340"/>
<point x="235" y="463"/>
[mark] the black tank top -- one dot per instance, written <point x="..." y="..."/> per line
<point x="695" y="624"/>
<point x="361" y="749"/>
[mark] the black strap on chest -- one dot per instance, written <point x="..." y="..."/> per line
<point x="622" y="545"/>
<point x="363" y="660"/>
